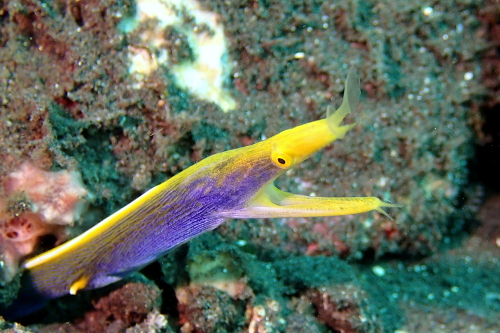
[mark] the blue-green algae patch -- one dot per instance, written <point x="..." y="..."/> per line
<point x="89" y="147"/>
<point x="68" y="100"/>
<point x="446" y="282"/>
<point x="8" y="292"/>
<point x="386" y="292"/>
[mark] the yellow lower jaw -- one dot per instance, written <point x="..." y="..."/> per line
<point x="272" y="202"/>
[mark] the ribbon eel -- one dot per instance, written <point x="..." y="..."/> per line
<point x="233" y="184"/>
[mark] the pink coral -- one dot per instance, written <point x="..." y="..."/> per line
<point x="36" y="203"/>
<point x="56" y="196"/>
<point x="21" y="229"/>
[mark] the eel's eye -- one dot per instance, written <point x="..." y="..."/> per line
<point x="281" y="160"/>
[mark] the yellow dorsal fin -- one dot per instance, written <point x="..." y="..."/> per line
<point x="352" y="91"/>
<point x="79" y="284"/>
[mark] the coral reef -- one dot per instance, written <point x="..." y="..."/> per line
<point x="82" y="89"/>
<point x="55" y="196"/>
<point x="265" y="317"/>
<point x="204" y="70"/>
<point x="338" y="309"/>
<point x="405" y="149"/>
<point x="13" y="328"/>
<point x="127" y="308"/>
<point x="36" y="203"/>
<point x="285" y="74"/>
<point x="154" y="323"/>
<point x="204" y="309"/>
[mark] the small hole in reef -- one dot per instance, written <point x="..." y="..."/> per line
<point x="281" y="161"/>
<point x="47" y="242"/>
<point x="12" y="234"/>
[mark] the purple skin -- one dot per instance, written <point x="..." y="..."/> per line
<point x="231" y="184"/>
<point x="169" y="218"/>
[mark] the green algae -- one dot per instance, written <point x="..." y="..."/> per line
<point x="89" y="145"/>
<point x="450" y="282"/>
<point x="279" y="279"/>
<point x="390" y="289"/>
<point x="415" y="143"/>
<point x="8" y="292"/>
